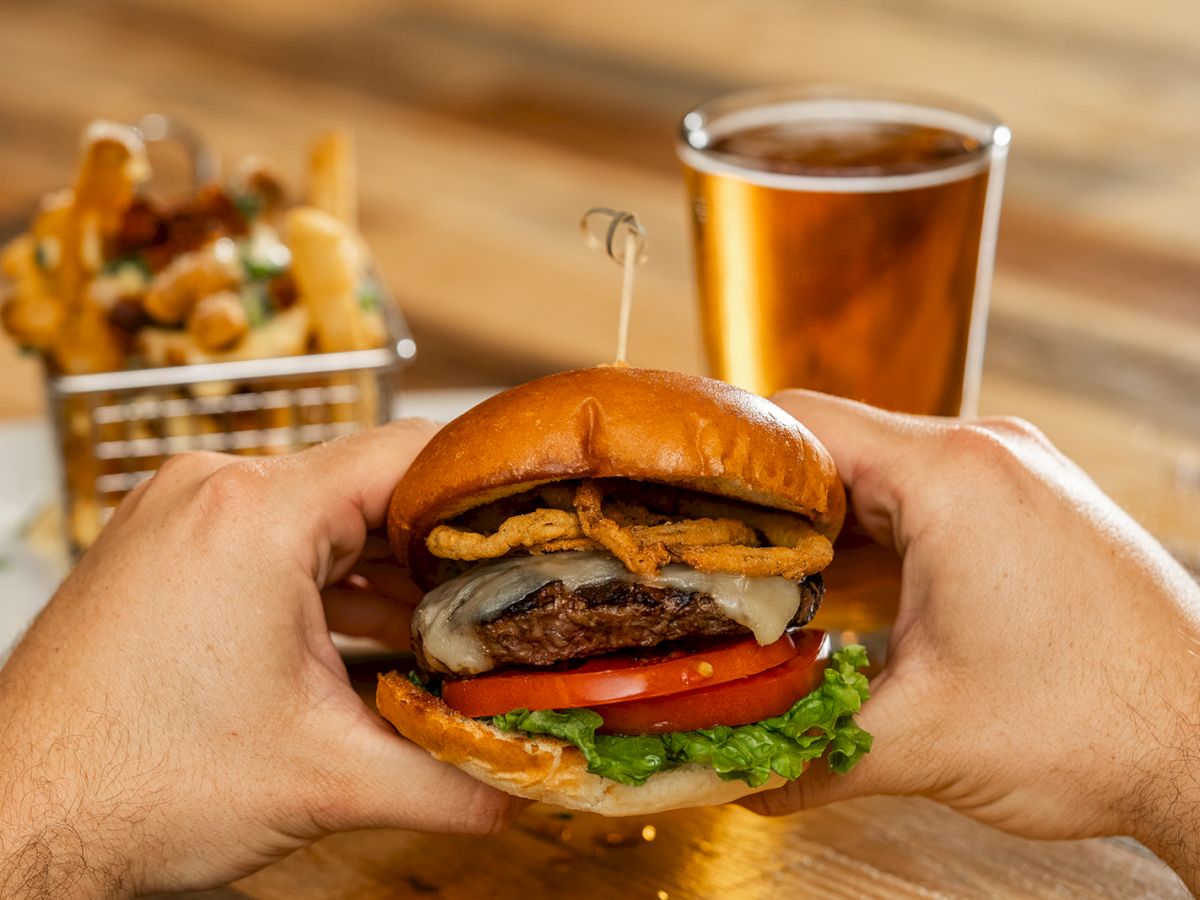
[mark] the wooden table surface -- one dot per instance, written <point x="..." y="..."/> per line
<point x="486" y="128"/>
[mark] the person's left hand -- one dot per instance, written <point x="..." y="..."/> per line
<point x="178" y="715"/>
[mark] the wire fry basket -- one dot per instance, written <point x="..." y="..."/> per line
<point x="116" y="426"/>
<point x="115" y="429"/>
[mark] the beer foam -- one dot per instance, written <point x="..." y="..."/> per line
<point x="699" y="135"/>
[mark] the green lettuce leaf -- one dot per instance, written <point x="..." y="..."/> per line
<point x="820" y="721"/>
<point x="425" y="683"/>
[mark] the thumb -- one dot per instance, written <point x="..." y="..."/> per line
<point x="340" y="489"/>
<point x="898" y="762"/>
<point x="386" y="781"/>
<point x="878" y="454"/>
<point x="360" y="468"/>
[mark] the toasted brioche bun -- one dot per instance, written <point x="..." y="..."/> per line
<point x="614" y="422"/>
<point x="543" y="769"/>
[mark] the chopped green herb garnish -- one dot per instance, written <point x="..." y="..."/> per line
<point x="134" y="260"/>
<point x="257" y="305"/>
<point x="249" y="205"/>
<point x="370" y="294"/>
<point x="259" y="269"/>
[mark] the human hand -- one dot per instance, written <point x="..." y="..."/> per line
<point x="178" y="715"/>
<point x="376" y="599"/>
<point x="1042" y="672"/>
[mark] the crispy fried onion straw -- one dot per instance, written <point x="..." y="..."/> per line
<point x="643" y="559"/>
<point x="528" y="530"/>
<point x="716" y="537"/>
<point x="812" y="555"/>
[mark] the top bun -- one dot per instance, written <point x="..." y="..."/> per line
<point x="614" y="422"/>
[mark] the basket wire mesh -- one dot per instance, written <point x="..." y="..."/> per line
<point x="115" y="429"/>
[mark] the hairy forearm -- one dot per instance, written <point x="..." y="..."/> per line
<point x="53" y="859"/>
<point x="1168" y="818"/>
<point x="1165" y="779"/>
<point x="67" y="825"/>
<point x="51" y="840"/>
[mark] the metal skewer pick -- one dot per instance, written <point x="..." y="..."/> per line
<point x="622" y="237"/>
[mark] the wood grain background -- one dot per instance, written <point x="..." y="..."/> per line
<point x="486" y="128"/>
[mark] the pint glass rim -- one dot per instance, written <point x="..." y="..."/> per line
<point x="713" y="119"/>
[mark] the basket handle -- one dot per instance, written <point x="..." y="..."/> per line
<point x="206" y="165"/>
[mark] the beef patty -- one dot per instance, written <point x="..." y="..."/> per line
<point x="553" y="623"/>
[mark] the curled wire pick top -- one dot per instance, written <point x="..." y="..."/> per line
<point x="612" y="230"/>
<point x="622" y="237"/>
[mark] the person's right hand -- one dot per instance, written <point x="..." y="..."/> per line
<point x="1044" y="668"/>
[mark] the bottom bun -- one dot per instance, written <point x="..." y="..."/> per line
<point x="543" y="769"/>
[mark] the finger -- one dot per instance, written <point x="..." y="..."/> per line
<point x="376" y="548"/>
<point x="877" y="453"/>
<point x="388" y="579"/>
<point x="390" y="782"/>
<point x="176" y="478"/>
<point x="356" y="609"/>
<point x="898" y="762"/>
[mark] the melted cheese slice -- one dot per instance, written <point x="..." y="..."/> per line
<point x="445" y="623"/>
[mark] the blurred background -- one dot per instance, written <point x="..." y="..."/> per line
<point x="484" y="129"/>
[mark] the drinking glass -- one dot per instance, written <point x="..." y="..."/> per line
<point x="844" y="242"/>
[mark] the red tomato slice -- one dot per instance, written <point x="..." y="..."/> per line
<point x="630" y="676"/>
<point x="740" y="702"/>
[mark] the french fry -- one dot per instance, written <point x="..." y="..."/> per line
<point x="218" y="321"/>
<point x="88" y="343"/>
<point x="326" y="264"/>
<point x="49" y="228"/>
<point x="34" y="310"/>
<point x="168" y="347"/>
<point x="332" y="176"/>
<point x="286" y="334"/>
<point x="255" y="176"/>
<point x="31" y="311"/>
<point x="374" y="327"/>
<point x="190" y="277"/>
<point x="114" y="161"/>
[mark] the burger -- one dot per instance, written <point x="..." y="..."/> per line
<point x="618" y="564"/>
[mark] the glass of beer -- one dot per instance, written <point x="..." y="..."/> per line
<point x="844" y="242"/>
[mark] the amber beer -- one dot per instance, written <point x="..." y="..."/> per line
<point x="845" y="244"/>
